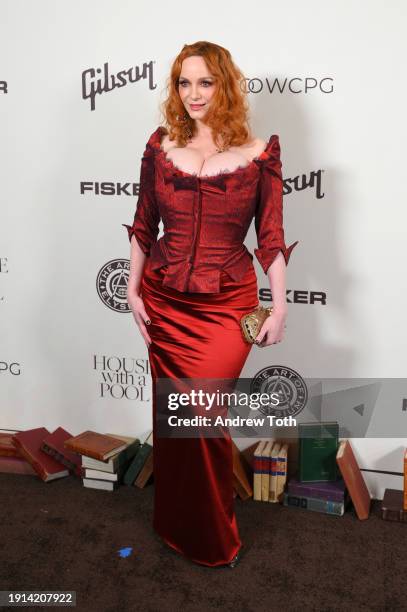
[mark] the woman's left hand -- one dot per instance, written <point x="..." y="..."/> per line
<point x="272" y="330"/>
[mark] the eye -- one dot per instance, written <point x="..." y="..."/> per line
<point x="207" y="83"/>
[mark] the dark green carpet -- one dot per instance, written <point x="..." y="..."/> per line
<point x="61" y="536"/>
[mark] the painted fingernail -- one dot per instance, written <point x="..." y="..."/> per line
<point x="148" y="322"/>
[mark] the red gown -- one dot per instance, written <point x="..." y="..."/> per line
<point x="198" y="281"/>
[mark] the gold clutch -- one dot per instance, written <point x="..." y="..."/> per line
<point x="252" y="322"/>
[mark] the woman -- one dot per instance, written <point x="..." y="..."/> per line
<point x="206" y="178"/>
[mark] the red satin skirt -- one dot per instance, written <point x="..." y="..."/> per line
<point x="196" y="335"/>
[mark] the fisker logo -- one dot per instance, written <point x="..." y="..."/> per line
<point x="289" y="386"/>
<point x="109" y="188"/>
<point x="111" y="284"/>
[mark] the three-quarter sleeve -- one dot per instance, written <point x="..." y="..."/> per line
<point x="269" y="209"/>
<point x="146" y="220"/>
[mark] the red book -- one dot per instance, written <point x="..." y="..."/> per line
<point x="29" y="444"/>
<point x="354" y="480"/>
<point x="16" y="465"/>
<point x="7" y="446"/>
<point x="53" y="444"/>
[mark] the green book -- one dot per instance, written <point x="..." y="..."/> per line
<point x="139" y="460"/>
<point x="317" y="453"/>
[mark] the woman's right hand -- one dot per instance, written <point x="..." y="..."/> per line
<point x="140" y="316"/>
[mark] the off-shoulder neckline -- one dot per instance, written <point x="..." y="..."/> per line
<point x="255" y="162"/>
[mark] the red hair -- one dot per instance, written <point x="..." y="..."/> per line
<point x="228" y="113"/>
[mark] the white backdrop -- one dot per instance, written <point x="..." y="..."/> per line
<point x="325" y="77"/>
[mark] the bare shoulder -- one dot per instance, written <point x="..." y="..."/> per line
<point x="253" y="147"/>
<point x="259" y="146"/>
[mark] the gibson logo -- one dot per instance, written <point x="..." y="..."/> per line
<point x="93" y="85"/>
<point x="300" y="182"/>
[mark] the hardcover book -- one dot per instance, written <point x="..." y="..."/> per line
<point x="257" y="469"/>
<point x="354" y="480"/>
<point x="138" y="461"/>
<point x="96" y="445"/>
<point x="315" y="504"/>
<point x="318" y="448"/>
<point x="7" y="446"/>
<point x="330" y="491"/>
<point x="266" y="470"/>
<point x="16" y="465"/>
<point x="115" y="462"/>
<point x="392" y="506"/>
<point x="29" y="444"/>
<point x="146" y="471"/>
<point x="282" y="472"/>
<point x="53" y="444"/>
<point x="93" y="483"/>
<point x="275" y="453"/>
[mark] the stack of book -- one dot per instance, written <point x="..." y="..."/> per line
<point x="108" y="460"/>
<point x="328" y="476"/>
<point x="327" y="497"/>
<point x="11" y="460"/>
<point x="38" y="451"/>
<point x="269" y="471"/>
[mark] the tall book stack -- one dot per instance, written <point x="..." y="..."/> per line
<point x="269" y="471"/>
<point x="105" y="458"/>
<point x="329" y="475"/>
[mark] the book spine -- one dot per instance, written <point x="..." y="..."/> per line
<point x="137" y="464"/>
<point x="265" y="478"/>
<point x="59" y="457"/>
<point x="257" y="468"/>
<point x="281" y="479"/>
<point x="275" y="470"/>
<point x="316" y="505"/>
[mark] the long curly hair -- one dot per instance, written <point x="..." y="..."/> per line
<point x="228" y="113"/>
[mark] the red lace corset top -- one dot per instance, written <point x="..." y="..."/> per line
<point x="206" y="218"/>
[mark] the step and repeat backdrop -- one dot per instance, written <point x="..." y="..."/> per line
<point x="80" y="89"/>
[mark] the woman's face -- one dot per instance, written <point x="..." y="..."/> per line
<point x="196" y="86"/>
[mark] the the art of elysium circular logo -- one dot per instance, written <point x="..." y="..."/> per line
<point x="111" y="284"/>
<point x="287" y="384"/>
